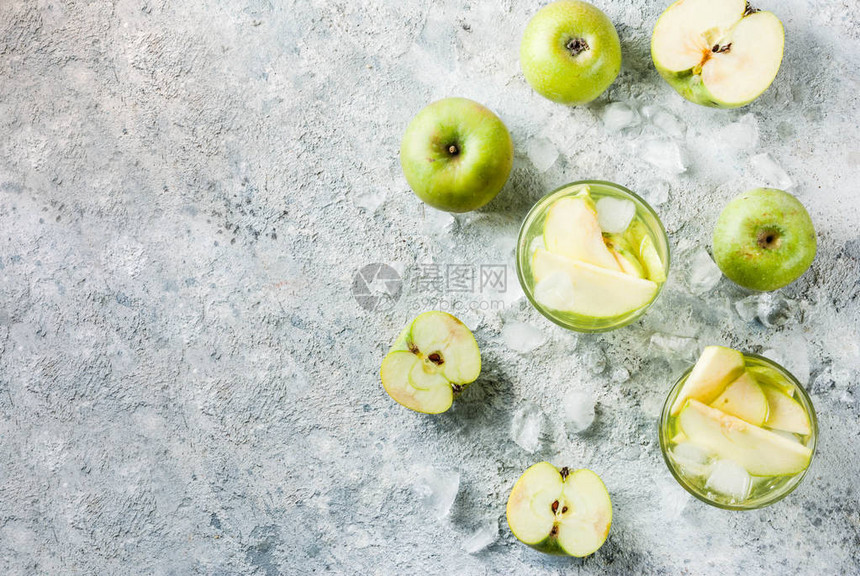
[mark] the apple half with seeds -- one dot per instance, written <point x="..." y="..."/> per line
<point x="563" y="512"/>
<point x="433" y="360"/>
<point x="718" y="53"/>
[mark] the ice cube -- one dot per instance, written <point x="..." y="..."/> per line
<point x="437" y="222"/>
<point x="657" y="193"/>
<point x="747" y="308"/>
<point x="615" y="214"/>
<point x="578" y="410"/>
<point x="703" y="274"/>
<point x="542" y="153"/>
<point x="740" y="135"/>
<point x="677" y="346"/>
<point x="619" y="374"/>
<point x="617" y="116"/>
<point x="555" y="291"/>
<point x="795" y="350"/>
<point x="690" y="454"/>
<point x="672" y="500"/>
<point x="521" y="337"/>
<point x="537" y="242"/>
<point x="437" y="489"/>
<point x="664" y="155"/>
<point x="770" y="172"/>
<point x="774" y="310"/>
<point x="526" y="427"/>
<point x="594" y="360"/>
<point x="369" y="199"/>
<point x="483" y="536"/>
<point x="668" y="124"/>
<point x="729" y="479"/>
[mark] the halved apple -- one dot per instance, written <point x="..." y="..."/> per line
<point x="715" y="368"/>
<point x="560" y="512"/>
<point x="720" y="53"/>
<point x="431" y="362"/>
<point x="743" y="398"/>
<point x="786" y="413"/>
<point x="571" y="230"/>
<point x="593" y="291"/>
<point x="760" y="451"/>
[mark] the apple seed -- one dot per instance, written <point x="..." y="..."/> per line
<point x="555" y="507"/>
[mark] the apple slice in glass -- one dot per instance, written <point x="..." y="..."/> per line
<point x="715" y="368"/>
<point x="744" y="398"/>
<point x="560" y="512"/>
<point x="432" y="362"/>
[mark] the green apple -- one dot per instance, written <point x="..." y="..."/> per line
<point x="764" y="239"/>
<point x="571" y="230"/>
<point x="581" y="288"/>
<point x="433" y="360"/>
<point x="745" y="399"/>
<point x="715" y="368"/>
<point x="761" y="452"/>
<point x="560" y="512"/>
<point x="570" y="52"/>
<point x="720" y="53"/>
<point x="456" y="155"/>
<point x="786" y="413"/>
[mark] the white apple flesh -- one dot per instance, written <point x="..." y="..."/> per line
<point x="431" y="363"/>
<point x="715" y="368"/>
<point x="560" y="512"/>
<point x="745" y="399"/>
<point x="720" y="53"/>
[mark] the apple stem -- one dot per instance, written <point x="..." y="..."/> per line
<point x="768" y="239"/>
<point x="564" y="472"/>
<point x="576" y="45"/>
<point x="453" y="150"/>
<point x="750" y="10"/>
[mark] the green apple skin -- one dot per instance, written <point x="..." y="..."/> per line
<point x="764" y="239"/>
<point x="456" y="155"/>
<point x="691" y="87"/>
<point x="561" y="69"/>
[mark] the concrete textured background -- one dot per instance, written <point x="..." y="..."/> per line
<point x="187" y="385"/>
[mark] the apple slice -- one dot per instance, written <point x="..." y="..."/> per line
<point x="643" y="246"/>
<point x="623" y="254"/>
<point x="760" y="451"/>
<point x="786" y="413"/>
<point x="743" y="398"/>
<point x="571" y="230"/>
<point x="722" y="54"/>
<point x="593" y="291"/>
<point x="715" y="368"/>
<point x="431" y="362"/>
<point x="767" y="375"/>
<point x="559" y="511"/>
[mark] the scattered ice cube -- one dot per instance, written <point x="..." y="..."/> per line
<point x="437" y="489"/>
<point x="664" y="155"/>
<point x="437" y="222"/>
<point x="740" y="135"/>
<point x="484" y="535"/>
<point x="369" y="199"/>
<point x="555" y="291"/>
<point x="795" y="350"/>
<point x="772" y="173"/>
<point x="703" y="274"/>
<point x="594" y="360"/>
<point x="729" y="479"/>
<point x="672" y="500"/>
<point x="542" y="153"/>
<point x="619" y="374"/>
<point x="679" y="346"/>
<point x="617" y="116"/>
<point x="521" y="337"/>
<point x="657" y="193"/>
<point x="668" y="124"/>
<point x="526" y="427"/>
<point x="615" y="214"/>
<point x="770" y="309"/>
<point x="578" y="410"/>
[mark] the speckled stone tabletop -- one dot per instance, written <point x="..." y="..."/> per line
<point x="189" y="385"/>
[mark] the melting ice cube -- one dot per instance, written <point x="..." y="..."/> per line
<point x="555" y="291"/>
<point x="521" y="337"/>
<point x="615" y="214"/>
<point x="729" y="479"/>
<point x="526" y="427"/>
<point x="484" y="535"/>
<point x="664" y="155"/>
<point x="578" y="410"/>
<point x="437" y="489"/>
<point x="542" y="153"/>
<point x="703" y="274"/>
<point x="617" y="116"/>
<point x="772" y="173"/>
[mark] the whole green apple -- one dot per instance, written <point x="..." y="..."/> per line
<point x="722" y="53"/>
<point x="570" y="52"/>
<point x="456" y="155"/>
<point x="764" y="239"/>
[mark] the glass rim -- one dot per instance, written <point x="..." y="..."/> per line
<point x="540" y="205"/>
<point x="763" y="502"/>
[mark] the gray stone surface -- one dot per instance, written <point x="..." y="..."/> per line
<point x="186" y="383"/>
